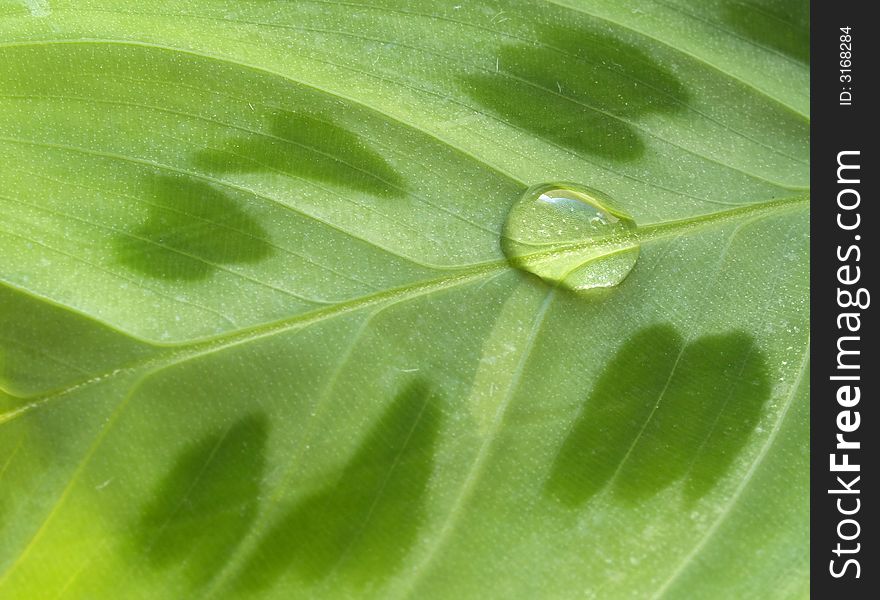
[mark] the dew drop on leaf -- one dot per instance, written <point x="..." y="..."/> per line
<point x="570" y="235"/>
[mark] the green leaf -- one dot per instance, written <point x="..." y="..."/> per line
<point x="258" y="337"/>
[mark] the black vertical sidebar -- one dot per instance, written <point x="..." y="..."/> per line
<point x="843" y="417"/>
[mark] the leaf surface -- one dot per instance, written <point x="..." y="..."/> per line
<point x="258" y="337"/>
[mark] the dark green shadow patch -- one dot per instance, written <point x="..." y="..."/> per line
<point x="364" y="522"/>
<point x="618" y="406"/>
<point x="42" y="345"/>
<point x="310" y="147"/>
<point x="780" y="25"/>
<point x="192" y="229"/>
<point x="205" y="505"/>
<point x="736" y="388"/>
<point x="578" y="88"/>
<point x="663" y="412"/>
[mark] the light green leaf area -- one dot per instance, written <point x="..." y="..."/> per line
<point x="258" y="336"/>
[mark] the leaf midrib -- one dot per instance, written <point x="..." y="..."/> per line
<point x="176" y="354"/>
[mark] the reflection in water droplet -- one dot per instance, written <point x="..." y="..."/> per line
<point x="570" y="235"/>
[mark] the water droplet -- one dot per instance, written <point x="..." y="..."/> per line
<point x="570" y="235"/>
